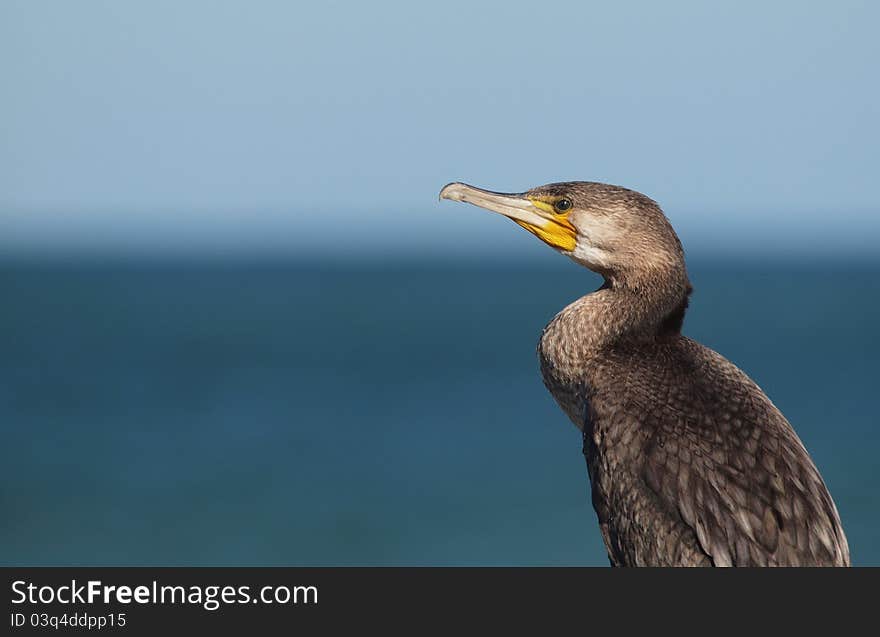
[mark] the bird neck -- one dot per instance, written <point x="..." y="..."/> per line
<point x="624" y="312"/>
<point x="632" y="309"/>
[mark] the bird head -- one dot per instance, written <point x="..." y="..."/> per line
<point x="616" y="232"/>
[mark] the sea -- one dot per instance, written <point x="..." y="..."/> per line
<point x="375" y="413"/>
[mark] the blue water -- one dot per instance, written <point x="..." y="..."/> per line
<point x="367" y="414"/>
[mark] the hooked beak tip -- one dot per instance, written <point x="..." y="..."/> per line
<point x="452" y="191"/>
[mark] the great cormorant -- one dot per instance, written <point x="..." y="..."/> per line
<point x="690" y="463"/>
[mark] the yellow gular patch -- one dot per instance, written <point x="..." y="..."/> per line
<point x="555" y="235"/>
<point x="557" y="232"/>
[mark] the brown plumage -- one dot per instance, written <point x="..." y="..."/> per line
<point x="690" y="463"/>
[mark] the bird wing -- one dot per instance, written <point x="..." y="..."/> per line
<point x="730" y="464"/>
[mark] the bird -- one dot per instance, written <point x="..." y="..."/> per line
<point x="689" y="462"/>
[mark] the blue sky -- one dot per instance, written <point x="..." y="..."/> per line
<point x="303" y="128"/>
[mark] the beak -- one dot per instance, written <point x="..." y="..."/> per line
<point x="535" y="216"/>
<point x="515" y="206"/>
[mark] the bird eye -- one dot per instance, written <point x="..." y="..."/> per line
<point x="562" y="205"/>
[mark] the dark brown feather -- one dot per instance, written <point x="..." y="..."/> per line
<point x="690" y="463"/>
